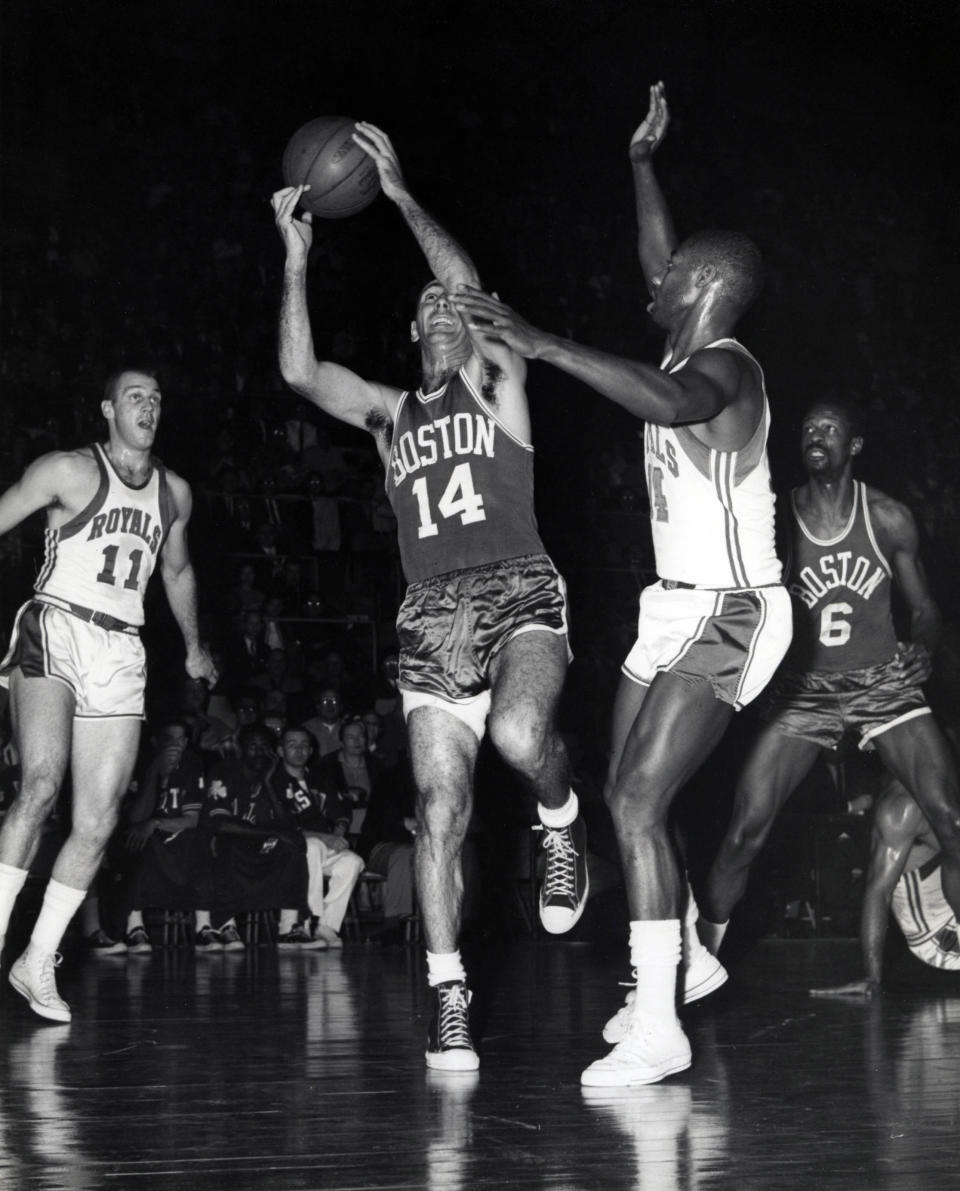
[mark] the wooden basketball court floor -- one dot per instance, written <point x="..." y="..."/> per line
<point x="260" y="1070"/>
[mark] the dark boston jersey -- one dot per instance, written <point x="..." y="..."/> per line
<point x="841" y="595"/>
<point x="461" y="485"/>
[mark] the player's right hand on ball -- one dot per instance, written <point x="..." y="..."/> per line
<point x="296" y="231"/>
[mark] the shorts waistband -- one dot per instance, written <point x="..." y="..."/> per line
<point x="675" y="584"/>
<point x="484" y="568"/>
<point x="101" y="619"/>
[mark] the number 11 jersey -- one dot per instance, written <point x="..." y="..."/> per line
<point x="103" y="557"/>
<point x="461" y="485"/>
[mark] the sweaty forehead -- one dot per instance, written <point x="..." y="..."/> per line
<point x="826" y="413"/>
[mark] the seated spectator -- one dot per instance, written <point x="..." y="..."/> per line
<point x="323" y="818"/>
<point x="168" y="858"/>
<point x="259" y="851"/>
<point x="279" y="675"/>
<point x="325" y="726"/>
<point x="246" y="651"/>
<point x="386" y="757"/>
<point x="349" y="772"/>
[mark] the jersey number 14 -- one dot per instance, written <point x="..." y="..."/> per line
<point x="459" y="498"/>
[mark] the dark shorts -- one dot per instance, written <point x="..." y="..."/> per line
<point x="825" y="707"/>
<point x="450" y="628"/>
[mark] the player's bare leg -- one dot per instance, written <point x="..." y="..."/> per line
<point x="443" y="752"/>
<point x="917" y="752"/>
<point x="42" y="715"/>
<point x="528" y="676"/>
<point x="774" y="768"/>
<point x="103" y="755"/>
<point x="677" y="726"/>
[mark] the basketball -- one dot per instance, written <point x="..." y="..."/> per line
<point x="343" y="179"/>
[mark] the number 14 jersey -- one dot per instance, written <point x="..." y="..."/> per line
<point x="461" y="485"/>
<point x="103" y="557"/>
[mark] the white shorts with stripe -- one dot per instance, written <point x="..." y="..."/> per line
<point x="105" y="669"/>
<point x="733" y="639"/>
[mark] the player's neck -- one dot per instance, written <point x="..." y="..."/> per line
<point x="827" y="501"/>
<point x="132" y="466"/>
<point x="439" y="366"/>
<point x="699" y="329"/>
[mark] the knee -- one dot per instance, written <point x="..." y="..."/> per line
<point x="39" y="789"/>
<point x="745" y="838"/>
<point x="441" y="817"/>
<point x="520" y="740"/>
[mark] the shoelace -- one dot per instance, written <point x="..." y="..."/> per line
<point x="48" y="984"/>
<point x="454" y="1028"/>
<point x="560" y="878"/>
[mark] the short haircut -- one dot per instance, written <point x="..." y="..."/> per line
<point x="112" y="382"/>
<point x="736" y="258"/>
<point x="846" y="402"/>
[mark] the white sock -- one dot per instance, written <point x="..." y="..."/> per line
<point x="288" y="920"/>
<point x="60" y="903"/>
<point x="711" y="933"/>
<point x="655" y="948"/>
<point x="134" y="919"/>
<point x="561" y="816"/>
<point x="444" y="966"/>
<point x="201" y="918"/>
<point x="692" y="943"/>
<point x="11" y="882"/>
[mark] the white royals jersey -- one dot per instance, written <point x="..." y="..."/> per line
<point x="711" y="511"/>
<point x="103" y="557"/>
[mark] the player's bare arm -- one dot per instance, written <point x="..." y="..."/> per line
<point x="656" y="237"/>
<point x="180" y="583"/>
<point x="61" y="482"/>
<point x="718" y="391"/>
<point x="899" y="540"/>
<point x="448" y="260"/>
<point x="335" y="389"/>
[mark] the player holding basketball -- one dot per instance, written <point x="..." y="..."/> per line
<point x="905" y="876"/>
<point x="482" y="628"/>
<point x="845" y="671"/>
<point x="716" y="624"/>
<point x="76" y="664"/>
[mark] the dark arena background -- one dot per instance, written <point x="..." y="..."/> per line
<point x="140" y="146"/>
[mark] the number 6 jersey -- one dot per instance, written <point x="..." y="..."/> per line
<point x="103" y="557"/>
<point x="461" y="485"/>
<point x="841" y="594"/>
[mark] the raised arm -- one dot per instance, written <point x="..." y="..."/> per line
<point x="656" y="238"/>
<point x="180" y="583"/>
<point x="448" y="260"/>
<point x="335" y="389"/>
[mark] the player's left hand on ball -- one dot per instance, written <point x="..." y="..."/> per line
<point x="377" y="145"/>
